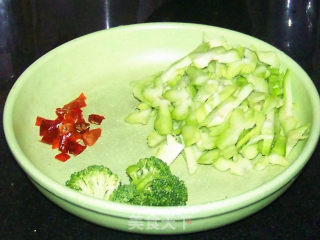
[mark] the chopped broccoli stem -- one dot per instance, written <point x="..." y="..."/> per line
<point x="209" y="157"/>
<point x="169" y="150"/>
<point x="154" y="139"/>
<point x="191" y="155"/>
<point x="139" y="117"/>
<point x="236" y="99"/>
<point x="190" y="134"/>
<point x="197" y="76"/>
<point x="279" y="146"/>
<point x="267" y="129"/>
<point x="259" y="117"/>
<point x="163" y="121"/>
<point x="206" y="141"/>
<point x="295" y="135"/>
<point x="175" y="69"/>
<point x="238" y="122"/>
<point x="269" y="58"/>
<point x="250" y="151"/>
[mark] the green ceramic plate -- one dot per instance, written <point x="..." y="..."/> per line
<point x="102" y="65"/>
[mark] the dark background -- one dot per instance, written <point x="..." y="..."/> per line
<point x="30" y="28"/>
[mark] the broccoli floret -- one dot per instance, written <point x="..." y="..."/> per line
<point x="97" y="181"/>
<point x="125" y="194"/>
<point x="152" y="184"/>
<point x="169" y="191"/>
<point x="146" y="170"/>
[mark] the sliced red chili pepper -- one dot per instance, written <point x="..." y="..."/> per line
<point x="55" y="143"/>
<point x="79" y="102"/>
<point x="39" y="121"/>
<point x="47" y="126"/>
<point x="62" y="157"/>
<point x="48" y="133"/>
<point x="91" y="136"/>
<point x="76" y="113"/>
<point x="95" y="119"/>
<point x="76" y="136"/>
<point x="76" y="148"/>
<point x="81" y="126"/>
<point x="64" y="142"/>
<point x="65" y="128"/>
<point x="69" y="132"/>
<point x="48" y="138"/>
<point x="61" y="112"/>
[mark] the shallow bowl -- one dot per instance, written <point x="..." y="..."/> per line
<point x="102" y="65"/>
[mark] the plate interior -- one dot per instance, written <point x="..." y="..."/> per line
<point x="102" y="65"/>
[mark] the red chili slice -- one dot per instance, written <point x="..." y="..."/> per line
<point x="49" y="138"/>
<point x="55" y="143"/>
<point x="65" y="128"/>
<point x="81" y="127"/>
<point x="69" y="132"/>
<point x="48" y="127"/>
<point x="39" y="121"/>
<point x="95" y="119"/>
<point x="64" y="142"/>
<point x="79" y="102"/>
<point x="62" y="157"/>
<point x="76" y="148"/>
<point x="91" y="136"/>
<point x="61" y="112"/>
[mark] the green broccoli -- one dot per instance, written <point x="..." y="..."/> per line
<point x="151" y="184"/>
<point x="97" y="181"/>
<point x="146" y="170"/>
<point x="125" y="194"/>
<point x="168" y="191"/>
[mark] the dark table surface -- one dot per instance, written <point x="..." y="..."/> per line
<point x="28" y="29"/>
